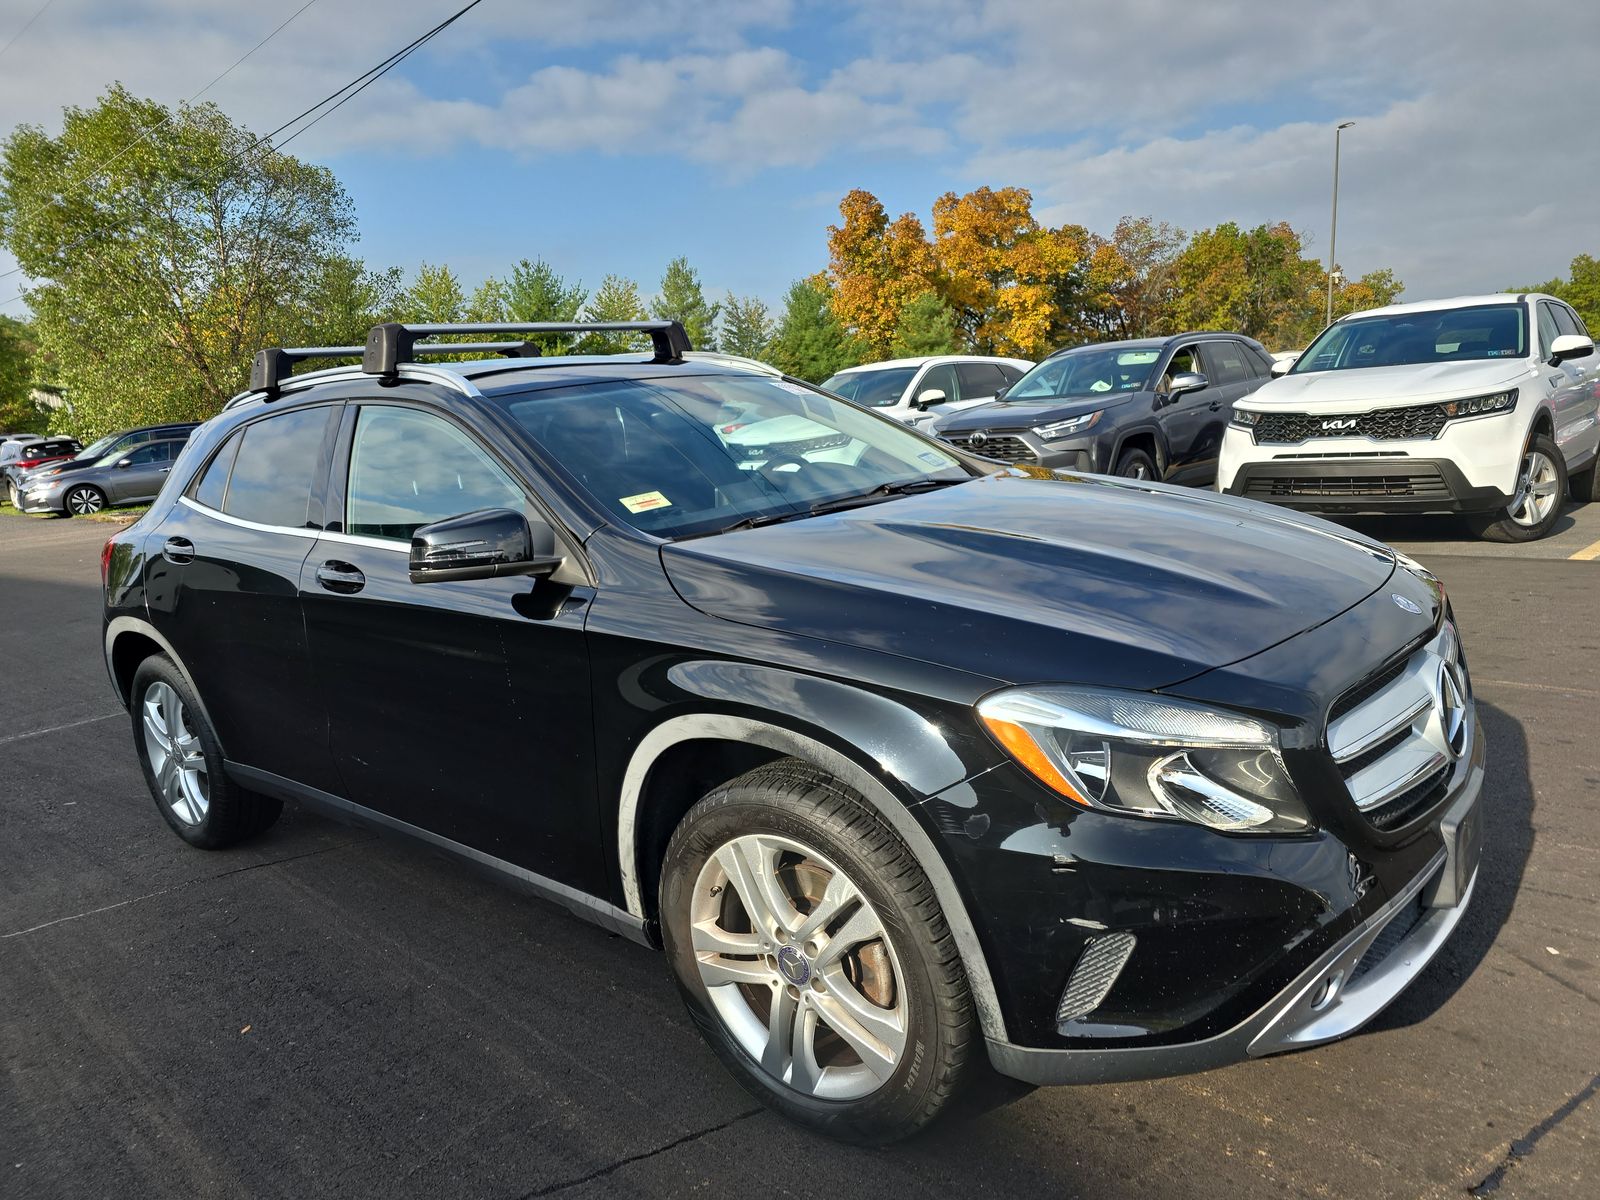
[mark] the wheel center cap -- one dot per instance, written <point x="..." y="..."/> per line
<point x="793" y="965"/>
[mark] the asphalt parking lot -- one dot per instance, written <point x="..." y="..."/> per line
<point x="326" y="1013"/>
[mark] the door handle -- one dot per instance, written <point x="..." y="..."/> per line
<point x="178" y="550"/>
<point x="341" y="577"/>
<point x="164" y="471"/>
<point x="1215" y="405"/>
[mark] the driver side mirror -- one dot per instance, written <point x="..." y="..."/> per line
<point x="1002" y="390"/>
<point x="1570" y="345"/>
<point x="1281" y="366"/>
<point x="928" y="397"/>
<point x="1186" y="381"/>
<point x="124" y="462"/>
<point x="484" y="544"/>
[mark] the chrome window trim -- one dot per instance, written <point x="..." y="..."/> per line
<point x="313" y="534"/>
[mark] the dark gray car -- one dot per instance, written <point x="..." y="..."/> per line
<point x="1149" y="409"/>
<point x="131" y="477"/>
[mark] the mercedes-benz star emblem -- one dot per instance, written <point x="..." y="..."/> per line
<point x="1450" y="702"/>
<point x="1405" y="602"/>
<point x="794" y="966"/>
<point x="979" y="437"/>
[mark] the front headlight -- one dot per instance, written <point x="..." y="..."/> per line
<point x="1245" y="419"/>
<point x="1059" y="429"/>
<point x="1149" y="756"/>
<point x="1481" y="406"/>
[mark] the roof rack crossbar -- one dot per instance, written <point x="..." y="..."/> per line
<point x="271" y="367"/>
<point x="390" y="344"/>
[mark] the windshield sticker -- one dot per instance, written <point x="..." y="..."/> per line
<point x="792" y="387"/>
<point x="644" y="502"/>
<point x="933" y="458"/>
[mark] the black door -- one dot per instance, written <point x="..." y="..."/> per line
<point x="459" y="708"/>
<point x="1230" y="376"/>
<point x="224" y="590"/>
<point x="1182" y="417"/>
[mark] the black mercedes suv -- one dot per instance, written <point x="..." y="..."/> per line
<point x="1153" y="408"/>
<point x="907" y="760"/>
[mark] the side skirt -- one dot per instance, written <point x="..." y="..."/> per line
<point x="580" y="904"/>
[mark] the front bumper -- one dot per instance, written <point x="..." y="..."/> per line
<point x="42" y="501"/>
<point x="1024" y="446"/>
<point x="1379" y="485"/>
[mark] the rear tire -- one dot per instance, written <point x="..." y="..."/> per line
<point x="1536" y="506"/>
<point x="183" y="763"/>
<point x="1136" y="464"/>
<point x="83" y="501"/>
<point x="799" y="998"/>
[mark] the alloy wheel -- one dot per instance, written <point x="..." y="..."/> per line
<point x="85" y="501"/>
<point x="799" y="968"/>
<point x="1137" y="471"/>
<point x="176" y="758"/>
<point x="1537" y="485"/>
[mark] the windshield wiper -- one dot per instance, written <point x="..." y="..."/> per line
<point x="751" y="522"/>
<point x="903" y="487"/>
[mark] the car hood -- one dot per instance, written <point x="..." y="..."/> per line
<point x="1024" y="414"/>
<point x="1027" y="576"/>
<point x="1364" y="388"/>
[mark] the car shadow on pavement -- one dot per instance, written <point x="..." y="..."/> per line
<point x="1436" y="528"/>
<point x="1507" y="842"/>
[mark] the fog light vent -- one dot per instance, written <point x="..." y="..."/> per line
<point x="1102" y="961"/>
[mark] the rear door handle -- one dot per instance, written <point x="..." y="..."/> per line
<point x="178" y="550"/>
<point x="341" y="577"/>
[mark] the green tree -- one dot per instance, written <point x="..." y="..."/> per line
<point x="681" y="299"/>
<point x="165" y="247"/>
<point x="811" y="343"/>
<point x="535" y="292"/>
<point x="747" y="327"/>
<point x="616" y="299"/>
<point x="490" y="301"/>
<point x="1256" y="282"/>
<point x="18" y="412"/>
<point x="1581" y="289"/>
<point x="346" y="301"/>
<point x="927" y="326"/>
<point x="434" y="296"/>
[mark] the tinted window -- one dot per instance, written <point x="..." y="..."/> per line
<point x="409" y="469"/>
<point x="943" y="379"/>
<point x="1182" y="362"/>
<point x="276" y="465"/>
<point x="1414" y="338"/>
<point x="1227" y="362"/>
<point x="979" y="379"/>
<point x="1012" y="374"/>
<point x="150" y="453"/>
<point x="212" y="485"/>
<point x="1088" y="371"/>
<point x="1547" y="328"/>
<point x="1566" y="322"/>
<point x="873" y="389"/>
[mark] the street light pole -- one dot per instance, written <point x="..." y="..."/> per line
<point x="1333" y="232"/>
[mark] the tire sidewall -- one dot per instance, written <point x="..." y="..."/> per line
<point x="739" y="811"/>
<point x="1130" y="458"/>
<point x="1500" y="527"/>
<point x="66" y="503"/>
<point x="160" y="669"/>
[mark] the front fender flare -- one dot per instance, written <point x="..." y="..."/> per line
<point x="789" y="742"/>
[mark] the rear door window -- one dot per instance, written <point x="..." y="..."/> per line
<point x="212" y="485"/>
<point x="941" y="378"/>
<point x="1226" y="363"/>
<point x="979" y="379"/>
<point x="278" y="463"/>
<point x="409" y="469"/>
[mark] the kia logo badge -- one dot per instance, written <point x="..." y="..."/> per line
<point x="1346" y="423"/>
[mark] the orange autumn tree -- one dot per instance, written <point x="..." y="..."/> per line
<point x="1003" y="273"/>
<point x="877" y="268"/>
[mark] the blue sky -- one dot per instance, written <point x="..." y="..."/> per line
<point x="610" y="136"/>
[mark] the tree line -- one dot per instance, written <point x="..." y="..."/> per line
<point x="165" y="246"/>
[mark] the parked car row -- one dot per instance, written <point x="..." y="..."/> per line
<point x="1483" y="406"/>
<point x="127" y="467"/>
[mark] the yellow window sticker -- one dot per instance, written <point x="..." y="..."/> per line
<point x="644" y="502"/>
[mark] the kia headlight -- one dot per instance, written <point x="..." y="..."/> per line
<point x="1245" y="419"/>
<point x="1481" y="406"/>
<point x="1061" y="429"/>
<point x="1149" y="756"/>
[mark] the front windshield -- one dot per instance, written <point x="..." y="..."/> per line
<point x="1087" y="371"/>
<point x="1408" y="339"/>
<point x="94" y="449"/>
<point x="700" y="453"/>
<point x="871" y="389"/>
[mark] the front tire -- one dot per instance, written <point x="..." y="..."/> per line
<point x="183" y="763"/>
<point x="1585" y="485"/>
<point x="811" y="952"/>
<point x="1536" y="506"/>
<point x="1136" y="464"/>
<point x="83" y="501"/>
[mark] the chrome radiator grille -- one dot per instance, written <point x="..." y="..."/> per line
<point x="1398" y="736"/>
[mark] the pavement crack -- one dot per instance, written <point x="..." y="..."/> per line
<point x="609" y="1168"/>
<point x="33" y="733"/>
<point x="1553" y="977"/>
<point x="187" y="883"/>
<point x="1523" y="1146"/>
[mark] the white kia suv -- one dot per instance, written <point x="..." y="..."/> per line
<point x="1481" y="405"/>
<point x="916" y="390"/>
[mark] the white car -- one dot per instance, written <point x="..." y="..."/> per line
<point x="916" y="390"/>
<point x="1481" y="405"/>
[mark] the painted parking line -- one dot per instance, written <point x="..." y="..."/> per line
<point x="1587" y="554"/>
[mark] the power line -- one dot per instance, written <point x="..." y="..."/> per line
<point x="27" y="25"/>
<point x="360" y="83"/>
